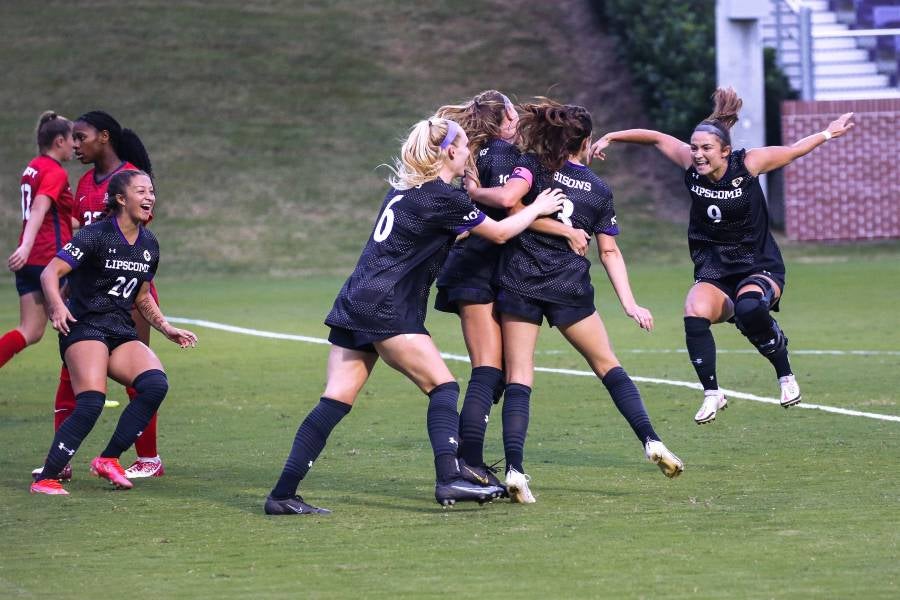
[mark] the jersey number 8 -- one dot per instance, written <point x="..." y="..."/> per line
<point x="117" y="290"/>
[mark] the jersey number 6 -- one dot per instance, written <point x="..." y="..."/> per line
<point x="386" y="222"/>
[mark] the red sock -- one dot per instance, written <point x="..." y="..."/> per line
<point x="145" y="445"/>
<point x="11" y="344"/>
<point x="65" y="399"/>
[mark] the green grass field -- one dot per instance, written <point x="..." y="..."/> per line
<point x="773" y="503"/>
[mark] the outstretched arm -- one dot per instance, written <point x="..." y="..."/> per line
<point x="769" y="158"/>
<point x="148" y="307"/>
<point x="671" y="147"/>
<point x="500" y="232"/>
<point x="614" y="263"/>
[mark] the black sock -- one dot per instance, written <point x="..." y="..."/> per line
<point x="516" y="406"/>
<point x="308" y="444"/>
<point x="88" y="406"/>
<point x="701" y="349"/>
<point x="151" y="387"/>
<point x="443" y="430"/>
<point x="476" y="408"/>
<point x="628" y="400"/>
<point x="782" y="363"/>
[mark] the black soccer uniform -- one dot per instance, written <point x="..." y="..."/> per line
<point x="728" y="234"/>
<point x="387" y="293"/>
<point x="107" y="272"/>
<point x="468" y="273"/>
<point x="540" y="275"/>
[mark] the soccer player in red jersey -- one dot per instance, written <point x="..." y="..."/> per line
<point x="100" y="140"/>
<point x="46" y="228"/>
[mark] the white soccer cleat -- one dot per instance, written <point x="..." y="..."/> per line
<point x="517" y="487"/>
<point x="790" y="391"/>
<point x="713" y="401"/>
<point x="668" y="463"/>
<point x="145" y="467"/>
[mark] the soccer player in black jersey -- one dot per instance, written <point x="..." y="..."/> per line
<point x="739" y="274"/>
<point x="465" y="284"/>
<point x="110" y="265"/>
<point x="380" y="310"/>
<point x="540" y="277"/>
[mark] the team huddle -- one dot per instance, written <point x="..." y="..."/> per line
<point x="493" y="202"/>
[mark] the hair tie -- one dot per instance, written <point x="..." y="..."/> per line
<point x="452" y="132"/>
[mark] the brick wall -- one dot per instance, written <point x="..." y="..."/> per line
<point x="849" y="188"/>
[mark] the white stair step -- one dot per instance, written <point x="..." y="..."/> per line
<point x="851" y="82"/>
<point x="827" y="56"/>
<point x="864" y="94"/>
<point x="856" y="68"/>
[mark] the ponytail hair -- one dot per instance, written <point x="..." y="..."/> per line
<point x="553" y="131"/>
<point x="422" y="154"/>
<point x="49" y="126"/>
<point x="726" y="105"/>
<point x="125" y="142"/>
<point x="118" y="183"/>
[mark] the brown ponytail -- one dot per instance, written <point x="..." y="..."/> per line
<point x="553" y="131"/>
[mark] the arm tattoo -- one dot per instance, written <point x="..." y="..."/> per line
<point x="149" y="309"/>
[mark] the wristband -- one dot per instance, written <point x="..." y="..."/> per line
<point x="827" y="135"/>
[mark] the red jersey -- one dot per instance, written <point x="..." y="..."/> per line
<point x="91" y="195"/>
<point x="45" y="176"/>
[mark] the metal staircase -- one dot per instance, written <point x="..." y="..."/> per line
<point x="822" y="57"/>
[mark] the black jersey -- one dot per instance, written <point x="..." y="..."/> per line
<point x="543" y="267"/>
<point x="107" y="271"/>
<point x="388" y="290"/>
<point x="729" y="230"/>
<point x="472" y="262"/>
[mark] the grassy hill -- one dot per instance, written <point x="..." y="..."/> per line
<point x="266" y="119"/>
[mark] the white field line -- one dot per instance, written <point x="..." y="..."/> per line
<point x="457" y="357"/>
<point x="749" y="351"/>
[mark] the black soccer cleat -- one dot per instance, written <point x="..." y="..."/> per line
<point x="482" y="475"/>
<point x="292" y="506"/>
<point x="461" y="490"/>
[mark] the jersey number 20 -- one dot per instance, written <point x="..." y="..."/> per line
<point x="117" y="289"/>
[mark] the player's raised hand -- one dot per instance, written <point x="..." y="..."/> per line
<point x="549" y="201"/>
<point x="598" y="147"/>
<point x="841" y="125"/>
<point x="641" y="316"/>
<point x="60" y="317"/>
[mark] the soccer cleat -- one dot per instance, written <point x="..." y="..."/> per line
<point x="292" y="506"/>
<point x="145" y="467"/>
<point x="790" y="391"/>
<point x="112" y="471"/>
<point x="713" y="401"/>
<point x="517" y="487"/>
<point x="668" y="463"/>
<point x="461" y="490"/>
<point x="51" y="487"/>
<point x="64" y="475"/>
<point x="482" y="475"/>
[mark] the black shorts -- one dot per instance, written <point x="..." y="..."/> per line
<point x="363" y="341"/>
<point x="81" y="332"/>
<point x="467" y="274"/>
<point x="729" y="284"/>
<point x="511" y="303"/>
<point x="28" y="279"/>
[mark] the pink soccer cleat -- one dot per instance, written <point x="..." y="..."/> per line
<point x="111" y="470"/>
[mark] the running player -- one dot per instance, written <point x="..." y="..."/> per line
<point x="541" y="277"/>
<point x="380" y="310"/>
<point x="465" y="284"/>
<point x="739" y="274"/>
<point x="102" y="142"/>
<point x="111" y="263"/>
<point x="46" y="227"/>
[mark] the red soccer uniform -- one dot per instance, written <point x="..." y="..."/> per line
<point x="91" y="194"/>
<point x="45" y="176"/>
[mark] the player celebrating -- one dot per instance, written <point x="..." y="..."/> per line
<point x="112" y="262"/>
<point x="102" y="142"/>
<point x="541" y="277"/>
<point x="380" y="310"/>
<point x="465" y="284"/>
<point x="46" y="227"/>
<point x="738" y="269"/>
